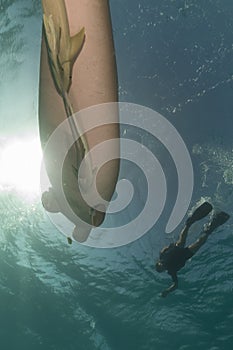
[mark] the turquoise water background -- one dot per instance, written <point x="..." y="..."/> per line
<point x="175" y="57"/>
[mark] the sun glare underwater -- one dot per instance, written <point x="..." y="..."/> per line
<point x="20" y="162"/>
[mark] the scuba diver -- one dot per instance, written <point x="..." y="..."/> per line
<point x="174" y="257"/>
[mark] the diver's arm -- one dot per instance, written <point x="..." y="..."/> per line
<point x="172" y="287"/>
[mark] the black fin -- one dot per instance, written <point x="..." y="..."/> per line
<point x="218" y="219"/>
<point x="199" y="213"/>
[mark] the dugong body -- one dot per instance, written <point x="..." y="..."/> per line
<point x="89" y="78"/>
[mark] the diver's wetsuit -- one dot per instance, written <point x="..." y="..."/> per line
<point x="174" y="258"/>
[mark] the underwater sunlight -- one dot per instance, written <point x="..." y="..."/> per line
<point x="20" y="163"/>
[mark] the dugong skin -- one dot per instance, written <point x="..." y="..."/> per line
<point x="94" y="81"/>
<point x="63" y="48"/>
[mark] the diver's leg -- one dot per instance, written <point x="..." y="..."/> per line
<point x="199" y="213"/>
<point x="199" y="243"/>
<point x="217" y="220"/>
<point x="183" y="236"/>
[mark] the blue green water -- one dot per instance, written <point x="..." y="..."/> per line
<point x="177" y="58"/>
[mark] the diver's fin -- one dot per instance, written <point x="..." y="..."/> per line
<point x="218" y="219"/>
<point x="76" y="44"/>
<point x="199" y="213"/>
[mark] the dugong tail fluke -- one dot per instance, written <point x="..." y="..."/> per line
<point x="63" y="51"/>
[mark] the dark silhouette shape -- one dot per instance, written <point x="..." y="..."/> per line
<point x="174" y="257"/>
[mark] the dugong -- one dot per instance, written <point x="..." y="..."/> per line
<point x="77" y="72"/>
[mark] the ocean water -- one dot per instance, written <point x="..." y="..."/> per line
<point x="175" y="57"/>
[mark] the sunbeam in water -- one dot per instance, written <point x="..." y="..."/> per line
<point x="20" y="166"/>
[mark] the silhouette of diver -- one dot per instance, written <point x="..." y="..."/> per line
<point x="174" y="257"/>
